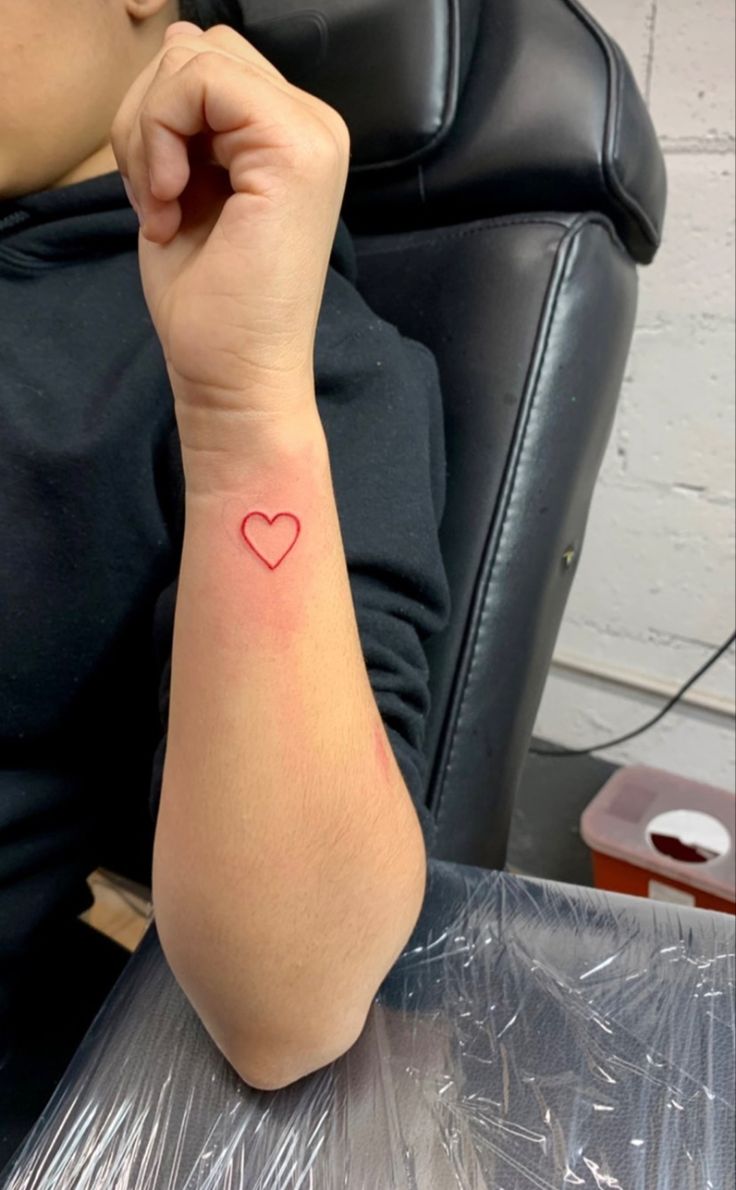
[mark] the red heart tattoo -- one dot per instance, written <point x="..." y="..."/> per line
<point x="270" y="540"/>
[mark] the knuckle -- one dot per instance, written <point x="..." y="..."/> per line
<point x="323" y="144"/>
<point x="307" y="153"/>
<point x="173" y="60"/>
<point x="206" y="60"/>
<point x="333" y="116"/>
<point x="337" y="126"/>
<point x="342" y="134"/>
<point x="174" y="56"/>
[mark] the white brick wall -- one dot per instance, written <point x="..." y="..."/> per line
<point x="655" y="591"/>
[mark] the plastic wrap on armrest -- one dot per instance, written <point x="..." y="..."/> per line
<point x="530" y="1035"/>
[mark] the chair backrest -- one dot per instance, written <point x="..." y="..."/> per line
<point x="506" y="180"/>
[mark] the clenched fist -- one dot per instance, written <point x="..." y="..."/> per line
<point x="238" y="178"/>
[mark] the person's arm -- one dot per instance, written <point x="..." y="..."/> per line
<point x="289" y="861"/>
<point x="289" y="866"/>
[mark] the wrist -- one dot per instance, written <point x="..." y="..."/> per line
<point x="243" y="448"/>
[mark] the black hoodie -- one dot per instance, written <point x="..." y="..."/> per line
<point x="91" y="504"/>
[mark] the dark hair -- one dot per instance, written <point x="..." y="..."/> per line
<point x="207" y="13"/>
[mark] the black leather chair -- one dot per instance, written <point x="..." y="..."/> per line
<point x="506" y="182"/>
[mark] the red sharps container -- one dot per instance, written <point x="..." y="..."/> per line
<point x="655" y="834"/>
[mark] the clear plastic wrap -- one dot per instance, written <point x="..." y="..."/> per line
<point x="531" y="1035"/>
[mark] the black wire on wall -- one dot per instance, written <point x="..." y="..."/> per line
<point x="554" y="752"/>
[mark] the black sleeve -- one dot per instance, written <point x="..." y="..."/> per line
<point x="381" y="407"/>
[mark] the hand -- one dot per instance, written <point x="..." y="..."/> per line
<point x="241" y="206"/>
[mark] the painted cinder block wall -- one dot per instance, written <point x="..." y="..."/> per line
<point x="654" y="594"/>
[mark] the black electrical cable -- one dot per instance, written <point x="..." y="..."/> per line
<point x="652" y="722"/>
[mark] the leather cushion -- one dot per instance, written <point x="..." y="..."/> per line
<point x="461" y="110"/>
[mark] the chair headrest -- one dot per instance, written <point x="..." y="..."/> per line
<point x="468" y="109"/>
<point x="390" y="66"/>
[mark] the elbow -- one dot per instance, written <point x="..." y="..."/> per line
<point x="274" y="1069"/>
<point x="269" y="1054"/>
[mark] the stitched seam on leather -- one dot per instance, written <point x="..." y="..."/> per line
<point x="611" y="158"/>
<point x="498" y="529"/>
<point x="570" y="224"/>
<point x="600" y="159"/>
<point x="607" y="166"/>
<point x="449" y="106"/>
<point x="442" y="236"/>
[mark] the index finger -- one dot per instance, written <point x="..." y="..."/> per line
<point x="226" y="39"/>
<point x="184" y="35"/>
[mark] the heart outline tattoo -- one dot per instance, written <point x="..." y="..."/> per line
<point x="270" y="521"/>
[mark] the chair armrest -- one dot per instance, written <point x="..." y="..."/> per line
<point x="528" y="1030"/>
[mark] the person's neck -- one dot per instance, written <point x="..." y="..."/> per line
<point x="102" y="161"/>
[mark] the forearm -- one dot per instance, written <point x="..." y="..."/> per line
<point x="289" y="862"/>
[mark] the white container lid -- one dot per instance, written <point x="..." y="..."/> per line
<point x="642" y="813"/>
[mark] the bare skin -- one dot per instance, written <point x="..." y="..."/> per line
<point x="86" y="51"/>
<point x="281" y="792"/>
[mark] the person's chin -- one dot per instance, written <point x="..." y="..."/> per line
<point x="9" y="188"/>
<point x="16" y="182"/>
